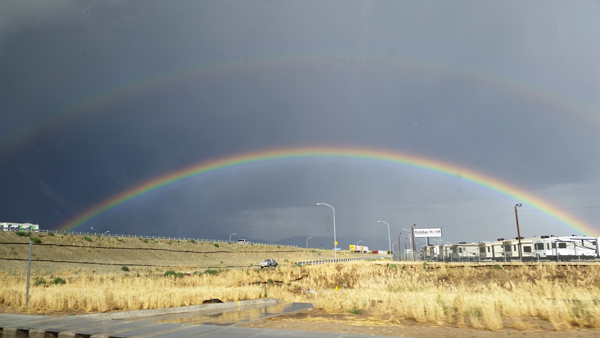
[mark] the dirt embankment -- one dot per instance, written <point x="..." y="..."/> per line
<point x="109" y="254"/>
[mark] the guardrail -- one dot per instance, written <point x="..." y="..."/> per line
<point x="108" y="234"/>
<point x="327" y="261"/>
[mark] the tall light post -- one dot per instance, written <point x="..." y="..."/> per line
<point x="106" y="232"/>
<point x="393" y="246"/>
<point x="518" y="232"/>
<point x="358" y="242"/>
<point x="334" y="237"/>
<point x="307" y="241"/>
<point x="389" y="238"/>
<point x="230" y="237"/>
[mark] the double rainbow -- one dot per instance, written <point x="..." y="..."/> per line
<point x="368" y="154"/>
<point x="127" y="90"/>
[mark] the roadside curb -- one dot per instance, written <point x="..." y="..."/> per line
<point x="191" y="308"/>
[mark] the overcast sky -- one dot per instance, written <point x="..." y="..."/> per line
<point x="509" y="89"/>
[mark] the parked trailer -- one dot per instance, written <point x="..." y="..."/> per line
<point x="10" y="226"/>
<point x="463" y="252"/>
<point x="359" y="248"/>
<point x="566" y="248"/>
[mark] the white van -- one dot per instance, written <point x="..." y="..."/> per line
<point x="242" y="241"/>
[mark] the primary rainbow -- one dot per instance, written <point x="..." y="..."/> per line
<point x="369" y="154"/>
<point x="139" y="86"/>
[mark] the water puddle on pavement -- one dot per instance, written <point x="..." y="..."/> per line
<point x="228" y="316"/>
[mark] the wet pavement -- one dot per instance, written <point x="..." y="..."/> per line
<point x="227" y="316"/>
<point x="72" y="327"/>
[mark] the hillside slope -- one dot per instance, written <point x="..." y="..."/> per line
<point x="110" y="254"/>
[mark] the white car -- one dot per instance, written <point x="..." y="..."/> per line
<point x="267" y="263"/>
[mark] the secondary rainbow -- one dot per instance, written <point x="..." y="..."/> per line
<point x="369" y="154"/>
<point x="130" y="89"/>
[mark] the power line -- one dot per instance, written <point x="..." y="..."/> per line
<point x="481" y="220"/>
<point x="508" y="213"/>
<point x="592" y="207"/>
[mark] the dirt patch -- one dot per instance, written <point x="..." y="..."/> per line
<point x="316" y="320"/>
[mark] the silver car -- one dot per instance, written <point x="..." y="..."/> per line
<point x="267" y="263"/>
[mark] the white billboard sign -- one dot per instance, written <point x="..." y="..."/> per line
<point x="431" y="232"/>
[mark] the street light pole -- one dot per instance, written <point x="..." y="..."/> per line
<point x="307" y="241"/>
<point x="389" y="238"/>
<point x="393" y="246"/>
<point x="518" y="232"/>
<point x="358" y="242"/>
<point x="230" y="237"/>
<point x="334" y="237"/>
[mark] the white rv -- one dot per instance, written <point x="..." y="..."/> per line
<point x="566" y="248"/>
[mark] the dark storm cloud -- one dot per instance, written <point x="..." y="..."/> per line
<point x="501" y="88"/>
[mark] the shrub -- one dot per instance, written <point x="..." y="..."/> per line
<point x="35" y="240"/>
<point x="50" y="234"/>
<point x="145" y="240"/>
<point x="356" y="311"/>
<point x="270" y="281"/>
<point x="497" y="266"/>
<point x="20" y="233"/>
<point x="59" y="280"/>
<point x="172" y="273"/>
<point x="40" y="281"/>
<point x="125" y="268"/>
<point x="212" y="272"/>
<point x="216" y="245"/>
<point x="192" y="241"/>
<point x="87" y="238"/>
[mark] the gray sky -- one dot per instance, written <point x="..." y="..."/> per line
<point x="508" y="89"/>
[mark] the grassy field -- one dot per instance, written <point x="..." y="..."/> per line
<point x="486" y="297"/>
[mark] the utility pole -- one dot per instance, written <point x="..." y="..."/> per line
<point x="413" y="241"/>
<point x="518" y="232"/>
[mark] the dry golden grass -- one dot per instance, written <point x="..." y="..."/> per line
<point x="478" y="297"/>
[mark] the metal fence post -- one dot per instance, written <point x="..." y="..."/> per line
<point x="28" y="273"/>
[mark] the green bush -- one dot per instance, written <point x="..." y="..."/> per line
<point x="40" y="281"/>
<point x="270" y="281"/>
<point x="59" y="280"/>
<point x="145" y="240"/>
<point x="125" y="268"/>
<point x="216" y="245"/>
<point x="50" y="234"/>
<point x="497" y="266"/>
<point x="21" y="233"/>
<point x="212" y="272"/>
<point x="192" y="241"/>
<point x="172" y="273"/>
<point x="35" y="240"/>
<point x="356" y="311"/>
<point x="87" y="238"/>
